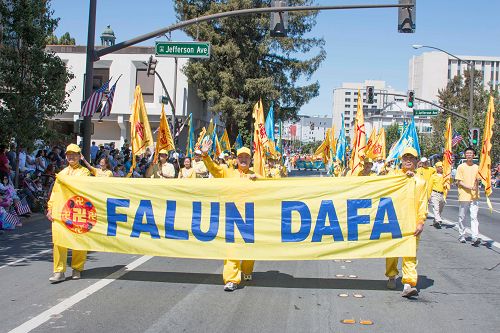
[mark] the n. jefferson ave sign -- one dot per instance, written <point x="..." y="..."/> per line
<point x="183" y="49"/>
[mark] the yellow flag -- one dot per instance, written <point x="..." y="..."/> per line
<point x="224" y="141"/>
<point x="164" y="137"/>
<point x="200" y="138"/>
<point x="140" y="131"/>
<point x="218" y="148"/>
<point x="259" y="139"/>
<point x="371" y="141"/>
<point x="447" y="158"/>
<point x="485" y="159"/>
<point x="210" y="129"/>
<point x="325" y="149"/>
<point x="377" y="147"/>
<point x="359" y="141"/>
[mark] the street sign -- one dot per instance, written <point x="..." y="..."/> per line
<point x="183" y="49"/>
<point x="425" y="112"/>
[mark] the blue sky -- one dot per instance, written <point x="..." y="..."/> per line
<point x="360" y="44"/>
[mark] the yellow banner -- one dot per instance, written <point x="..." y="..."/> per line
<point x="288" y="219"/>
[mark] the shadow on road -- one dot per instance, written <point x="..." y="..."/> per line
<point x="269" y="279"/>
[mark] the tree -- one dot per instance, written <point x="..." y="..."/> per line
<point x="247" y="64"/>
<point x="456" y="97"/>
<point x="32" y="80"/>
<point x="391" y="136"/>
<point x="65" y="39"/>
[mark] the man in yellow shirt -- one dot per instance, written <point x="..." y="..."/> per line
<point x="163" y="169"/>
<point x="199" y="167"/>
<point x="426" y="172"/>
<point x="78" y="258"/>
<point x="409" y="264"/>
<point x="437" y="198"/>
<point x="468" y="195"/>
<point x="233" y="269"/>
<point x="367" y="168"/>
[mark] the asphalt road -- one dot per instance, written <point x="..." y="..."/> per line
<point x="458" y="289"/>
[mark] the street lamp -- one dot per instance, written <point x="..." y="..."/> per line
<point x="470" y="65"/>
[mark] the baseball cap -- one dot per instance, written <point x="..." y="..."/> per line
<point x="411" y="151"/>
<point x="243" y="150"/>
<point x="438" y="164"/>
<point x="163" y="151"/>
<point x="423" y="159"/>
<point x="197" y="152"/>
<point x="73" y="148"/>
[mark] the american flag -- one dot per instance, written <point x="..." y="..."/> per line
<point x="90" y="106"/>
<point x="106" y="109"/>
<point x="179" y="130"/>
<point x="456" y="139"/>
<point x="11" y="220"/>
<point x="22" y="207"/>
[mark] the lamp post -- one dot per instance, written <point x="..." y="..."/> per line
<point x="470" y="65"/>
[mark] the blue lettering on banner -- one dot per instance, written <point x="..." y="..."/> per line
<point x="113" y="216"/>
<point x="386" y="207"/>
<point x="246" y="227"/>
<point x="353" y="219"/>
<point x="145" y="209"/>
<point x="287" y="207"/>
<point x="327" y="210"/>
<point x="214" y="222"/>
<point x="170" y="231"/>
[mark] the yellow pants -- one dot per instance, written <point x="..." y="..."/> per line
<point x="233" y="268"/>
<point x="409" y="267"/>
<point x="61" y="257"/>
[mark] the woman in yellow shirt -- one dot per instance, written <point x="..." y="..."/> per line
<point x="188" y="170"/>
<point x="103" y="171"/>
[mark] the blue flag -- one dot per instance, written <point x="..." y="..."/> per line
<point x="239" y="142"/>
<point x="409" y="138"/>
<point x="191" y="142"/>
<point x="341" y="145"/>
<point x="270" y="123"/>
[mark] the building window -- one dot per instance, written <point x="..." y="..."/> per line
<point x="347" y="113"/>
<point x="347" y="100"/>
<point x="375" y="101"/>
<point x="449" y="69"/>
<point x="355" y="93"/>
<point x="374" y="106"/>
<point x="347" y="92"/>
<point x="355" y="100"/>
<point x="347" y="106"/>
<point x="101" y="76"/>
<point x="147" y="84"/>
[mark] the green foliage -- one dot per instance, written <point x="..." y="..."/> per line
<point x="456" y="97"/>
<point x="32" y="80"/>
<point x="247" y="64"/>
<point x="65" y="39"/>
<point x="391" y="135"/>
<point x="310" y="148"/>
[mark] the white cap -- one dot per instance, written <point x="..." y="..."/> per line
<point x="197" y="152"/>
<point x="423" y="159"/>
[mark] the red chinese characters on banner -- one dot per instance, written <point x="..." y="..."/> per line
<point x="79" y="215"/>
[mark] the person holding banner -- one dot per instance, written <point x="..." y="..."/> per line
<point x="367" y="168"/>
<point x="73" y="153"/>
<point x="437" y="196"/>
<point x="233" y="269"/>
<point x="409" y="264"/>
<point x="199" y="166"/>
<point x="103" y="171"/>
<point x="188" y="170"/>
<point x="163" y="169"/>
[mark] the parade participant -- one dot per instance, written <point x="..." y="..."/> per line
<point x="104" y="169"/>
<point x="233" y="269"/>
<point x="437" y="197"/>
<point x="274" y="170"/>
<point x="409" y="264"/>
<point x="163" y="169"/>
<point x="468" y="195"/>
<point x="199" y="167"/>
<point x="426" y="172"/>
<point x="188" y="170"/>
<point x="367" y="168"/>
<point x="222" y="160"/>
<point x="73" y="153"/>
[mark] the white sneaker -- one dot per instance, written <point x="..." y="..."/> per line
<point x="76" y="275"/>
<point x="247" y="277"/>
<point x="409" y="292"/>
<point x="462" y="239"/>
<point x="391" y="284"/>
<point x="230" y="286"/>
<point x="57" y="277"/>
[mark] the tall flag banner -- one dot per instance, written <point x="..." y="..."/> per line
<point x="217" y="147"/>
<point x="184" y="123"/>
<point x="106" y="109"/>
<point x="239" y="142"/>
<point x="260" y="139"/>
<point x="190" y="144"/>
<point x="409" y="138"/>
<point x="140" y="131"/>
<point x="359" y="145"/>
<point x="211" y="126"/>
<point x="341" y="145"/>
<point x="91" y="104"/>
<point x="485" y="159"/>
<point x="164" y="137"/>
<point x="200" y="138"/>
<point x="279" y="141"/>
<point x="447" y="158"/>
<point x="376" y="150"/>
<point x="371" y="140"/>
<point x="224" y="141"/>
<point x="270" y="123"/>
<point x="325" y="149"/>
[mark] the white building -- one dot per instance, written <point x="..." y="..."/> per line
<point x="130" y="64"/>
<point x="306" y="129"/>
<point x="431" y="71"/>
<point x="345" y="101"/>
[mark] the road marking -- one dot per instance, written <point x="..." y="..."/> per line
<point x="25" y="258"/>
<point x="81" y="295"/>
<point x="467" y="230"/>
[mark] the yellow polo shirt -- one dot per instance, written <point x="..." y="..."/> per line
<point x="468" y="175"/>
<point x="421" y="199"/>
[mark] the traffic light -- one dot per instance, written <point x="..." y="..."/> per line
<point x="407" y="16"/>
<point x="279" y="20"/>
<point x="474" y="136"/>
<point x="410" y="98"/>
<point x="369" y="94"/>
<point x="151" y="66"/>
